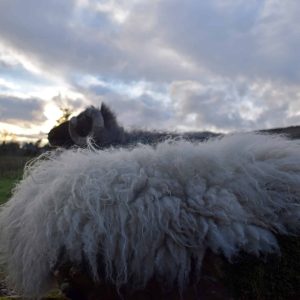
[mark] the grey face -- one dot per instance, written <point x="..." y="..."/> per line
<point x="78" y="129"/>
<point x="59" y="136"/>
<point x="84" y="124"/>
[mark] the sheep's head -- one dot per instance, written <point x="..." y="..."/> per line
<point x="92" y="122"/>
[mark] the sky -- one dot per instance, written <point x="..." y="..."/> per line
<point x="217" y="65"/>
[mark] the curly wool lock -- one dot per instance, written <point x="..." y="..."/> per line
<point x="150" y="213"/>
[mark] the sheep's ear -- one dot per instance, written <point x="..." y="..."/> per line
<point x="108" y="116"/>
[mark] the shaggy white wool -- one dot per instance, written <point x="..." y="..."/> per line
<point x="150" y="212"/>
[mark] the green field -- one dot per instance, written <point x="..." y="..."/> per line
<point x="6" y="186"/>
<point x="11" y="170"/>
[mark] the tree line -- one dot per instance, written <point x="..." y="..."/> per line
<point x="14" y="148"/>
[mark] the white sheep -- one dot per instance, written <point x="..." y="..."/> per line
<point x="134" y="215"/>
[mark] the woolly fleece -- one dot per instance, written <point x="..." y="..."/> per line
<point x="150" y="212"/>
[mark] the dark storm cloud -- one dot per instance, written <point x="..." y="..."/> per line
<point x="18" y="110"/>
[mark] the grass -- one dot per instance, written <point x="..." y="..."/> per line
<point x="6" y="186"/>
<point x="11" y="170"/>
<point x="10" y="166"/>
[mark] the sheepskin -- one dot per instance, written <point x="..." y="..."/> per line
<point x="150" y="212"/>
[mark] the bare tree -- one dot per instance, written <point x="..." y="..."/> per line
<point x="66" y="113"/>
<point x="66" y="109"/>
<point x="6" y="136"/>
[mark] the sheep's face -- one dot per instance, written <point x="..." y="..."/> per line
<point x="100" y="124"/>
<point x="83" y="124"/>
<point x="75" y="131"/>
<point x="59" y="136"/>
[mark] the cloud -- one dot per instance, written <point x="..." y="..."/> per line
<point x="24" y="111"/>
<point x="234" y="38"/>
<point x="142" y="112"/>
<point x="69" y="39"/>
<point x="136" y="104"/>
<point x="158" y="40"/>
<point x="59" y="36"/>
<point x="216" y="65"/>
<point x="235" y="105"/>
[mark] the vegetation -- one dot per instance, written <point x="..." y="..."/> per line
<point x="11" y="170"/>
<point x="13" y="157"/>
<point x="6" y="186"/>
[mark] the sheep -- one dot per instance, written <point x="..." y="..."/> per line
<point x="126" y="218"/>
<point x="101" y="124"/>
